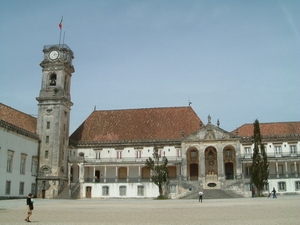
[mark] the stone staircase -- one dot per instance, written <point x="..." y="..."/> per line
<point x="213" y="194"/>
<point x="75" y="189"/>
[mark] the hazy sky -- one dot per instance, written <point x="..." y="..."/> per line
<point x="235" y="60"/>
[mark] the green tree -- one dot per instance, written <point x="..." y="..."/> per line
<point x="260" y="165"/>
<point x="159" y="170"/>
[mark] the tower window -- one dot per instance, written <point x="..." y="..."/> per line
<point x="53" y="80"/>
<point x="47" y="139"/>
<point x="46" y="154"/>
<point x="48" y="125"/>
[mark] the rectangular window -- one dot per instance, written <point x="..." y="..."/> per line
<point x="21" y="188"/>
<point x="280" y="169"/>
<point x="293" y="150"/>
<point x="119" y="155"/>
<point x="247" y="152"/>
<point x="7" y="187"/>
<point x="278" y="151"/>
<point x="228" y="153"/>
<point x="138" y="154"/>
<point x="297" y="185"/>
<point x="122" y="190"/>
<point x="281" y="186"/>
<point x="47" y="139"/>
<point x="46" y="154"/>
<point x="193" y="155"/>
<point x="247" y="170"/>
<point x="294" y="168"/>
<point x="172" y="188"/>
<point x="105" y="190"/>
<point x="48" y="125"/>
<point x="22" y="164"/>
<point x="140" y="191"/>
<point x="34" y="166"/>
<point x="10" y="155"/>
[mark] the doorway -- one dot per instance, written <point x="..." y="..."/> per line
<point x="88" y="192"/>
<point x="229" y="171"/>
<point x="194" y="171"/>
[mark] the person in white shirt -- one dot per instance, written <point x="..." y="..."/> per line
<point x="200" y="195"/>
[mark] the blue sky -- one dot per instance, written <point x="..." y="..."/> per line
<point x="235" y="60"/>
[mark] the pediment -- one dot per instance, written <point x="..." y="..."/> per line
<point x="209" y="132"/>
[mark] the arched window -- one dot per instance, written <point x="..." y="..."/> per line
<point x="53" y="79"/>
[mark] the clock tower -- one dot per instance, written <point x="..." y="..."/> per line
<point x="54" y="105"/>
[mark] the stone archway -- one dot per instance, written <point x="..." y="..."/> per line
<point x="74" y="173"/>
<point x="193" y="163"/>
<point x="229" y="162"/>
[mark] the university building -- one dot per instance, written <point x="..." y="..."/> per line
<point x="105" y="156"/>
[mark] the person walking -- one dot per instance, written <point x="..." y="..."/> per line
<point x="274" y="193"/>
<point x="29" y="203"/>
<point x="200" y="195"/>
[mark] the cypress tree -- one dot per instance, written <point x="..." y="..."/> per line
<point x="260" y="165"/>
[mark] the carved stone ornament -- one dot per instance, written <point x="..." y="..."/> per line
<point x="209" y="135"/>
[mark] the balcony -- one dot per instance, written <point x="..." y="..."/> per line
<point x="274" y="155"/>
<point x="82" y="159"/>
<point x="276" y="176"/>
<point x="122" y="180"/>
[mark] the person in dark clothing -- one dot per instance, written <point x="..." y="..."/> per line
<point x="274" y="193"/>
<point x="29" y="203"/>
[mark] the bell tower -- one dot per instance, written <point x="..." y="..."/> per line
<point x="54" y="105"/>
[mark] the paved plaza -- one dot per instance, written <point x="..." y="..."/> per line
<point x="283" y="210"/>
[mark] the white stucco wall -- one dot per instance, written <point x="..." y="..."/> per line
<point x="150" y="190"/>
<point x="20" y="145"/>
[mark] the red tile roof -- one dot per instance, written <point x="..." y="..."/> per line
<point x="138" y="124"/>
<point x="17" y="118"/>
<point x="279" y="129"/>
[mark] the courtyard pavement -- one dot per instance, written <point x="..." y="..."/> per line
<point x="283" y="210"/>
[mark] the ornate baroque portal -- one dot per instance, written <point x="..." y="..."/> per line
<point x="211" y="164"/>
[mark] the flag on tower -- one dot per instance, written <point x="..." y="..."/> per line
<point x="60" y="24"/>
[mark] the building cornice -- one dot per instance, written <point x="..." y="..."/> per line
<point x="124" y="143"/>
<point x="18" y="130"/>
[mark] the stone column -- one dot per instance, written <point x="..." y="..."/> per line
<point x="202" y="162"/>
<point x="94" y="178"/>
<point x="116" y="179"/>
<point x="139" y="174"/>
<point x="220" y="162"/>
<point x="104" y="180"/>
<point x="69" y="173"/>
<point x="127" y="180"/>
<point x="81" y="173"/>
<point x="295" y="167"/>
<point x="238" y="163"/>
<point x="286" y="169"/>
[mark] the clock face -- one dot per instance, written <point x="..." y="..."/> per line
<point x="53" y="55"/>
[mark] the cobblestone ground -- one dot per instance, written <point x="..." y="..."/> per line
<point x="283" y="210"/>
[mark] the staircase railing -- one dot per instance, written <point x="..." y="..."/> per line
<point x="73" y="189"/>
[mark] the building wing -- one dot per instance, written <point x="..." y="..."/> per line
<point x="171" y="123"/>
<point x="17" y="119"/>
<point x="279" y="129"/>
